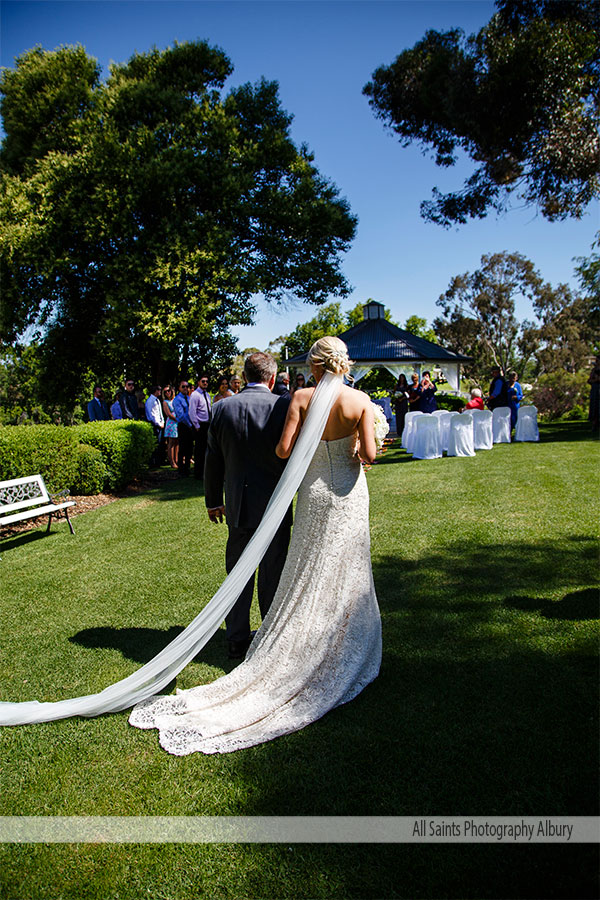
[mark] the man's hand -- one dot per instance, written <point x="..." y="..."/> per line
<point x="216" y="514"/>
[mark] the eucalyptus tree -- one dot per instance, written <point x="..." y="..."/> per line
<point x="520" y="98"/>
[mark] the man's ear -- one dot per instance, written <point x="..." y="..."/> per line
<point x="271" y="382"/>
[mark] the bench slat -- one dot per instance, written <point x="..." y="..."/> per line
<point x="32" y="513"/>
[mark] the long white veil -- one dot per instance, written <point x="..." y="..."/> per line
<point x="156" y="674"/>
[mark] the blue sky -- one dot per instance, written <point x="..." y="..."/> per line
<point x="322" y="52"/>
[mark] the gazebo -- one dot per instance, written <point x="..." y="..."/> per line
<point x="376" y="343"/>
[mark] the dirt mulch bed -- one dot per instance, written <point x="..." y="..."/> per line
<point x="87" y="502"/>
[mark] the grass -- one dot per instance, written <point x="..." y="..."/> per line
<point x="486" y="571"/>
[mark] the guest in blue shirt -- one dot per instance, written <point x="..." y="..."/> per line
<point x="515" y="395"/>
<point x="427" y="403"/>
<point x="185" y="429"/>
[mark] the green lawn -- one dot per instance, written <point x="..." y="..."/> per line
<point x="486" y="571"/>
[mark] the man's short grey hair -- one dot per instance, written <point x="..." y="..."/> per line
<point x="259" y="367"/>
<point x="282" y="377"/>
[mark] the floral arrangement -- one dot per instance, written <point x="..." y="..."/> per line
<point x="381" y="426"/>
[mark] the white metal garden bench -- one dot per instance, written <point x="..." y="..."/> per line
<point x="26" y="498"/>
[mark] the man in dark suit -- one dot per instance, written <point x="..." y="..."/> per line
<point x="240" y="457"/>
<point x="97" y="409"/>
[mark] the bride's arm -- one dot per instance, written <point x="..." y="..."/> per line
<point x="292" y="425"/>
<point x="367" y="448"/>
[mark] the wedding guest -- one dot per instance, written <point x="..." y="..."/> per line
<point x="476" y="401"/>
<point x="282" y="385"/>
<point x="200" y="414"/>
<point x="222" y="389"/>
<point x="498" y="393"/>
<point x="235" y="383"/>
<point x="427" y="401"/>
<point x="154" y="414"/>
<point x="170" y="426"/>
<point x="185" y="430"/>
<point x="97" y="408"/>
<point x="414" y="393"/>
<point x="515" y="395"/>
<point x="299" y="382"/>
<point x="116" y="411"/>
<point x="129" y="401"/>
<point x="401" y="395"/>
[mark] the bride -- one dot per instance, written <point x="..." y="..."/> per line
<point x="320" y="643"/>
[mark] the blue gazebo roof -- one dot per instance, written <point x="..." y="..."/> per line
<point x="377" y="341"/>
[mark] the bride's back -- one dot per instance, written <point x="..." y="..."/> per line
<point x="345" y="415"/>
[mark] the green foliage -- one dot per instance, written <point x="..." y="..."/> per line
<point x="520" y="98"/>
<point x="49" y="450"/>
<point x="449" y="401"/>
<point x="418" y="326"/>
<point x="142" y="213"/>
<point x="377" y="382"/>
<point x="91" y="471"/>
<point x="329" y="320"/>
<point x="479" y="319"/>
<point x="558" y="395"/>
<point x="126" y="447"/>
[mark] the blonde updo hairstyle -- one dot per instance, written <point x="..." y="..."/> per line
<point x="332" y="354"/>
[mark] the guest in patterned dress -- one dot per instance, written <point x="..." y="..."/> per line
<point x="170" y="426"/>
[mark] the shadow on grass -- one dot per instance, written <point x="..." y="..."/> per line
<point x="11" y="542"/>
<point x="143" y="644"/>
<point x="579" y="605"/>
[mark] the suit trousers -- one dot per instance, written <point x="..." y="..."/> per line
<point x="200" y="438"/>
<point x="269" y="573"/>
<point x="185" y="447"/>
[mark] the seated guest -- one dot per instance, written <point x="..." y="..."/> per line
<point x="171" y="435"/>
<point x="282" y="385"/>
<point x="515" y="395"/>
<point x="115" y="411"/>
<point x="427" y="401"/>
<point x="476" y="401"/>
<point x="97" y="409"/>
<point x="222" y="389"/>
<point x="154" y="415"/>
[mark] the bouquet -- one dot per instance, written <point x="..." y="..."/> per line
<point x="381" y="426"/>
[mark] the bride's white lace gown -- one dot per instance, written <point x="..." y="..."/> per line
<point x="320" y="643"/>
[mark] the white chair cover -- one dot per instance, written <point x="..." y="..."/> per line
<point x="461" y="435"/>
<point x="408" y="432"/>
<point x="483" y="438"/>
<point x="527" y="426"/>
<point x="444" y="416"/>
<point x="427" y="441"/>
<point x="501" y="425"/>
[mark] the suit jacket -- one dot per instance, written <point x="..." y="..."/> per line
<point x="240" y="455"/>
<point x="98" y="410"/>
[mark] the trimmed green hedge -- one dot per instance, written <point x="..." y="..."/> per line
<point x="126" y="447"/>
<point x="91" y="471"/>
<point x="83" y="458"/>
<point x="49" y="450"/>
<point x="449" y="401"/>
